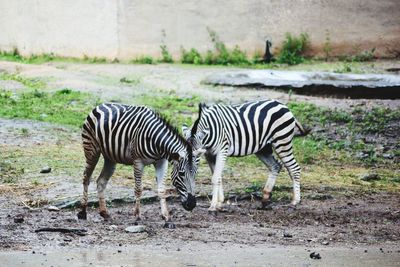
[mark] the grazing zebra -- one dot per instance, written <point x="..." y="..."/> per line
<point x="257" y="128"/>
<point x="136" y="135"/>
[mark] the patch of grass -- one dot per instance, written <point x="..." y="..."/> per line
<point x="177" y="110"/>
<point x="293" y="48"/>
<point x="28" y="82"/>
<point x="15" y="56"/>
<point x="9" y="173"/>
<point x="63" y="107"/>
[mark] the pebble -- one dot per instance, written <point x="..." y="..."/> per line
<point x="315" y="256"/>
<point x="45" y="170"/>
<point x="135" y="229"/>
<point x="370" y="177"/>
<point x="53" y="208"/>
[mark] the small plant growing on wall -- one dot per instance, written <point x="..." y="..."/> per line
<point x="327" y="46"/>
<point x="165" y="54"/>
<point x="293" y="48"/>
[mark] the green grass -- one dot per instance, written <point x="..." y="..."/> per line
<point x="177" y="110"/>
<point x="28" y="82"/>
<point x="65" y="106"/>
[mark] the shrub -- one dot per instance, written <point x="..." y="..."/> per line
<point x="143" y="60"/>
<point x="293" y="49"/>
<point x="191" y="57"/>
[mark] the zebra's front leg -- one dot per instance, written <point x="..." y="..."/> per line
<point x="217" y="193"/>
<point x="161" y="172"/>
<point x="138" y="167"/>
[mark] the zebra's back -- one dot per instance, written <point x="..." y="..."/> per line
<point x="251" y="126"/>
<point x="111" y="129"/>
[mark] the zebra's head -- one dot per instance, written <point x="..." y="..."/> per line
<point x="183" y="174"/>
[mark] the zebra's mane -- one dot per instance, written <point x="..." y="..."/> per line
<point x="196" y="123"/>
<point x="175" y="131"/>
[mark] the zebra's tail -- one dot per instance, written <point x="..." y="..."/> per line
<point x="302" y="131"/>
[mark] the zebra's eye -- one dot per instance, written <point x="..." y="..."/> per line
<point x="181" y="173"/>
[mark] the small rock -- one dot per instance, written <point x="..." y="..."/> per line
<point x="370" y="177"/>
<point x="287" y="235"/>
<point x="18" y="219"/>
<point x="135" y="229"/>
<point x="325" y="243"/>
<point x="113" y="227"/>
<point x="387" y="156"/>
<point x="45" y="170"/>
<point x="53" y="208"/>
<point x="315" y="256"/>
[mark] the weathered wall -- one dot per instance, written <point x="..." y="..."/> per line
<point x="130" y="28"/>
<point x="67" y="28"/>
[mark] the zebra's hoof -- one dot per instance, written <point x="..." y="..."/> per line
<point x="82" y="215"/>
<point x="105" y="215"/>
<point x="169" y="225"/>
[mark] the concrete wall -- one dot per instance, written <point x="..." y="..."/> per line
<point x="130" y="28"/>
<point x="67" y="28"/>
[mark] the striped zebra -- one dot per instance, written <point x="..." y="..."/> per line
<point x="136" y="135"/>
<point x="258" y="127"/>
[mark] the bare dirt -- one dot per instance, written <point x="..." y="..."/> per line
<point x="346" y="228"/>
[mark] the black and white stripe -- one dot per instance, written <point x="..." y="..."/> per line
<point x="135" y="135"/>
<point x="251" y="128"/>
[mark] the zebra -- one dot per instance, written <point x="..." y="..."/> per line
<point x="258" y="127"/>
<point x="138" y="136"/>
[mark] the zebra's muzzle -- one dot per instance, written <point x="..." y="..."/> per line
<point x="190" y="203"/>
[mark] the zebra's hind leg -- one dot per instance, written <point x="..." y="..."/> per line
<point x="285" y="153"/>
<point x="266" y="156"/>
<point x="161" y="171"/>
<point x="92" y="157"/>
<point x="106" y="173"/>
<point x="138" y="167"/>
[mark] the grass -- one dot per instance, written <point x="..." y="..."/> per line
<point x="27" y="82"/>
<point x="65" y="106"/>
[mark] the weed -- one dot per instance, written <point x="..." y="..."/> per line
<point x="134" y="81"/>
<point x="327" y="48"/>
<point x="24" y="131"/>
<point x="143" y="60"/>
<point x="35" y="182"/>
<point x="293" y="49"/>
<point x="345" y="68"/>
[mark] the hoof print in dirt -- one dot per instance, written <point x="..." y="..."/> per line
<point x="18" y="219"/>
<point x="213" y="212"/>
<point x="315" y="256"/>
<point x="169" y="225"/>
<point x="82" y="215"/>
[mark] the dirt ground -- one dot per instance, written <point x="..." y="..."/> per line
<point x="326" y="219"/>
